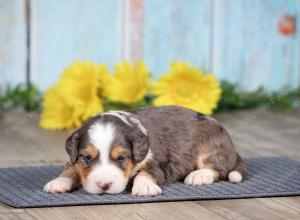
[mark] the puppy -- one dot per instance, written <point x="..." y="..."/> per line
<point x="151" y="146"/>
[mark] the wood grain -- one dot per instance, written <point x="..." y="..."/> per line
<point x="237" y="41"/>
<point x="177" y="30"/>
<point x="12" y="42"/>
<point x="63" y="32"/>
<point x="248" y="48"/>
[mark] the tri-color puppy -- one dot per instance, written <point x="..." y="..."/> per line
<point x="151" y="146"/>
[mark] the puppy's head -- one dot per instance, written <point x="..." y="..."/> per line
<point x="105" y="152"/>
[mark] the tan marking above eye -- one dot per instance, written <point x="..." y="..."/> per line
<point x="128" y="169"/>
<point x="90" y="150"/>
<point x="117" y="151"/>
<point x="83" y="169"/>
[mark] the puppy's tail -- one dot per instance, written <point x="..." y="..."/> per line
<point x="239" y="172"/>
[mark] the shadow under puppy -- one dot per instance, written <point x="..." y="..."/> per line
<point x="153" y="146"/>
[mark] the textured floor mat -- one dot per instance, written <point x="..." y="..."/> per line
<point x="269" y="176"/>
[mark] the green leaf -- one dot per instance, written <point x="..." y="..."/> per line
<point x="21" y="97"/>
<point x="234" y="98"/>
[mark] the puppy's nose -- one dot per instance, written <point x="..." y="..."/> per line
<point x="104" y="186"/>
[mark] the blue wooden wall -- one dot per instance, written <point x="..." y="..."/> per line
<point x="236" y="40"/>
<point x="12" y="42"/>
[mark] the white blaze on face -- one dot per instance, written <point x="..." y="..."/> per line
<point x="104" y="172"/>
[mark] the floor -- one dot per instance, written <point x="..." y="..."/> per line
<point x="257" y="132"/>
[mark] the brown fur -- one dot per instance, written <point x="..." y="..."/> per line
<point x="80" y="174"/>
<point x="128" y="165"/>
<point x="203" y="154"/>
<point x="90" y="150"/>
<point x="147" y="175"/>
<point x="180" y="140"/>
<point x="70" y="172"/>
<point x="83" y="169"/>
<point x="128" y="169"/>
<point x="117" y="151"/>
<point x="215" y="174"/>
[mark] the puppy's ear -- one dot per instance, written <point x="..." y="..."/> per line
<point x="72" y="146"/>
<point x="73" y="142"/>
<point x="140" y="145"/>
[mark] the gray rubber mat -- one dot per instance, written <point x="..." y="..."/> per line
<point x="269" y="176"/>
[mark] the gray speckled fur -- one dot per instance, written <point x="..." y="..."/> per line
<point x="176" y="137"/>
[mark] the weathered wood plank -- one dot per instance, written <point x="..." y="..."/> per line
<point x="23" y="142"/>
<point x="248" y="48"/>
<point x="63" y="32"/>
<point x="132" y="30"/>
<point x="176" y="30"/>
<point x="259" y="132"/>
<point x="12" y="42"/>
<point x="261" y="208"/>
<point x="237" y="41"/>
<point x="185" y="210"/>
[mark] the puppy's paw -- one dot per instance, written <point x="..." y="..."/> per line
<point x="143" y="186"/>
<point x="199" y="177"/>
<point x="59" y="185"/>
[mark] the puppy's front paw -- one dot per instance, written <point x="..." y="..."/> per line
<point x="199" y="177"/>
<point x="143" y="186"/>
<point x="59" y="185"/>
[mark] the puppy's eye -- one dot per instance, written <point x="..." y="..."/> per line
<point x="87" y="158"/>
<point x="121" y="159"/>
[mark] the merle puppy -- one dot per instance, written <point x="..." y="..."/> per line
<point x="151" y="146"/>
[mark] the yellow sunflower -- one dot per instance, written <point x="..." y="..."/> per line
<point x="189" y="87"/>
<point x="129" y="83"/>
<point x="77" y="95"/>
<point x="80" y="83"/>
<point x="105" y="77"/>
<point x="57" y="114"/>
